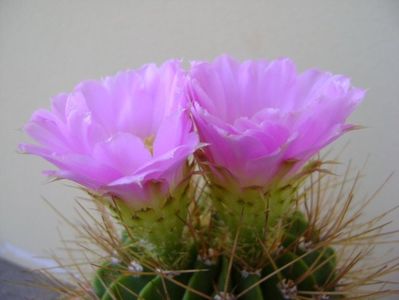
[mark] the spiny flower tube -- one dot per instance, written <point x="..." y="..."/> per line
<point x="262" y="121"/>
<point x="126" y="138"/>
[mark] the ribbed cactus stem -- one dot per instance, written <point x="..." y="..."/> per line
<point x="300" y="264"/>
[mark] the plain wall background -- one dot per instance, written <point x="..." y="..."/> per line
<point x="49" y="46"/>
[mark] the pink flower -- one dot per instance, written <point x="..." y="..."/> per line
<point x="259" y="117"/>
<point x="128" y="135"/>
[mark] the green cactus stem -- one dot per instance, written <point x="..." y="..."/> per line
<point x="246" y="281"/>
<point x="202" y="281"/>
<point x="297" y="266"/>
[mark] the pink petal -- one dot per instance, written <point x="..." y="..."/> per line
<point x="123" y="152"/>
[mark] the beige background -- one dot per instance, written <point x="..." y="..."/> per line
<point x="49" y="46"/>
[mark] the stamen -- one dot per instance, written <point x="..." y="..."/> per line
<point x="149" y="143"/>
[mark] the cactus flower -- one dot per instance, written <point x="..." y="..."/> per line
<point x="260" y="116"/>
<point x="262" y="121"/>
<point x="128" y="135"/>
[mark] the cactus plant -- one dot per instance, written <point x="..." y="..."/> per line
<point x="204" y="181"/>
<point x="305" y="260"/>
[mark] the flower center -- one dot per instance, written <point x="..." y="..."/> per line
<point x="149" y="143"/>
